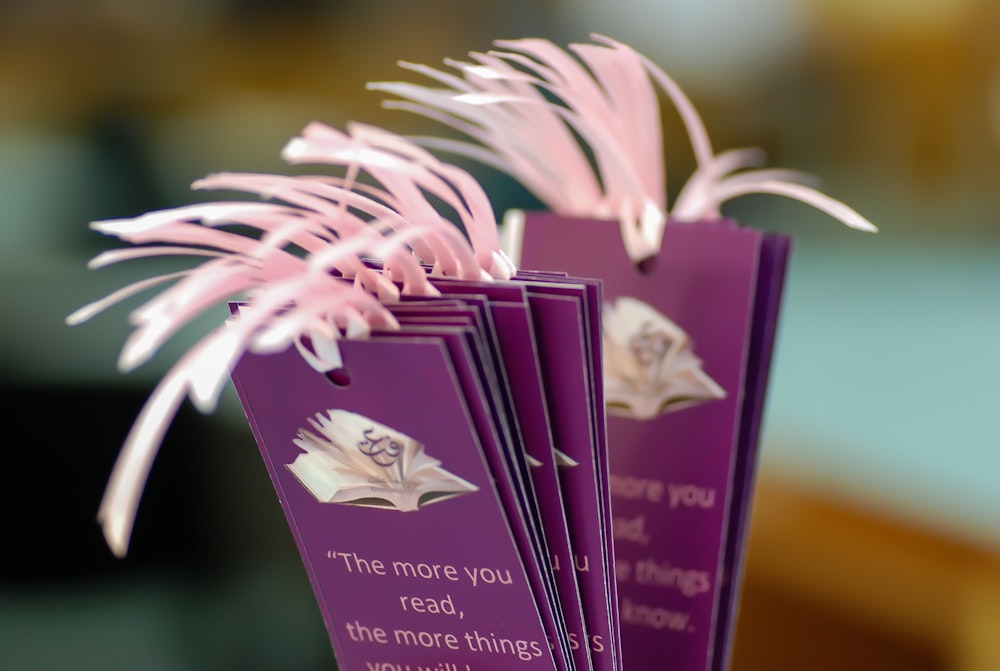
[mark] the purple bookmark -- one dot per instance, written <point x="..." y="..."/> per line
<point x="382" y="481"/>
<point x="676" y="338"/>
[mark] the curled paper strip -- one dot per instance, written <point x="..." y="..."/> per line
<point x="581" y="130"/>
<point x="303" y="269"/>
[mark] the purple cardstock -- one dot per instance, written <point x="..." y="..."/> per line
<point x="590" y="292"/>
<point x="518" y="344"/>
<point x="488" y="398"/>
<point x="559" y="326"/>
<point x="774" y="253"/>
<point x="417" y="567"/>
<point x="679" y="335"/>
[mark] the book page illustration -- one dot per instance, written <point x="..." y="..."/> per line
<point x="649" y="363"/>
<point x="354" y="460"/>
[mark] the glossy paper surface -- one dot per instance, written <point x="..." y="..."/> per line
<point x="442" y="584"/>
<point x="691" y="311"/>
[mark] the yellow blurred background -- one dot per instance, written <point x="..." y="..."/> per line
<point x="876" y="534"/>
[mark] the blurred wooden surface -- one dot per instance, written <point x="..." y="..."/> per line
<point x="830" y="586"/>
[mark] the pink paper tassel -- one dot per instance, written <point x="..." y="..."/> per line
<point x="307" y="276"/>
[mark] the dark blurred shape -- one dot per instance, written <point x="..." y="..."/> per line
<point x="212" y="579"/>
<point x="781" y="632"/>
<point x="121" y="138"/>
<point x="253" y="10"/>
<point x="67" y="440"/>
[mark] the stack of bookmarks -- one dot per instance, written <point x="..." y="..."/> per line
<point x="436" y="421"/>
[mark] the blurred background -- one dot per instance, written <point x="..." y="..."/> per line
<point x="876" y="535"/>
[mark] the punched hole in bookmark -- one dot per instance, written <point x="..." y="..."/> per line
<point x="647" y="266"/>
<point x="339" y="377"/>
<point x="322" y="353"/>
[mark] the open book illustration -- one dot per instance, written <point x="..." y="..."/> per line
<point x="649" y="363"/>
<point x="351" y="459"/>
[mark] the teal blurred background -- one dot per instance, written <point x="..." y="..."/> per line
<point x="884" y="405"/>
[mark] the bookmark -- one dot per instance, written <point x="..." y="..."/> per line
<point x="673" y="389"/>
<point x="391" y="446"/>
<point x="580" y="128"/>
<point x="412" y="557"/>
<point x="522" y="347"/>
